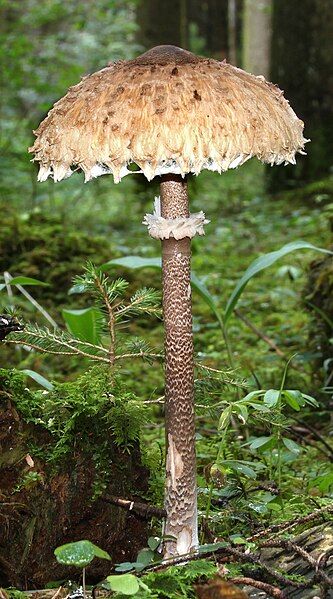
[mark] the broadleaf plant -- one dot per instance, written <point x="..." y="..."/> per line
<point x="258" y="265"/>
<point x="79" y="554"/>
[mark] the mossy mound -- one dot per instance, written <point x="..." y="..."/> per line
<point x="42" y="247"/>
<point x="317" y="193"/>
<point x="318" y="296"/>
<point x="63" y="452"/>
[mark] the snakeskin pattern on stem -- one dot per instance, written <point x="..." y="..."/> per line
<point x="180" y="501"/>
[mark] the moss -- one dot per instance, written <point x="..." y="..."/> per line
<point x="94" y="414"/>
<point x="42" y="247"/>
<point x="318" y="297"/>
<point x="74" y="448"/>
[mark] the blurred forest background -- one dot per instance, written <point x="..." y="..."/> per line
<point x="48" y="231"/>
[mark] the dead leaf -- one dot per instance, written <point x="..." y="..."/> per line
<point x="219" y="589"/>
<point x="29" y="460"/>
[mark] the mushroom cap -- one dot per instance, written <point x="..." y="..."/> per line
<point x="167" y="111"/>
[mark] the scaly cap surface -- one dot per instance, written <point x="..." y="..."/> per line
<point x="168" y="111"/>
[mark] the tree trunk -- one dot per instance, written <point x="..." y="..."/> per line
<point x="211" y="21"/>
<point x="161" y="23"/>
<point x="302" y="65"/>
<point x="232" y="32"/>
<point x="257" y="36"/>
<point x="180" y="502"/>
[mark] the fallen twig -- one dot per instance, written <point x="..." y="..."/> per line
<point x="284" y="526"/>
<point x="142" y="509"/>
<point x="257" y="584"/>
<point x="315" y="433"/>
<point x="323" y="558"/>
<point x="260" y="334"/>
<point x="311" y="442"/>
<point x="320" y="575"/>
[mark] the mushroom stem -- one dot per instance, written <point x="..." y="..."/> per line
<point x="181" y="493"/>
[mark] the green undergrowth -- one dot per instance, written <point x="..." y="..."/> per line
<point x="44" y="247"/>
<point x="176" y="582"/>
<point x="263" y="468"/>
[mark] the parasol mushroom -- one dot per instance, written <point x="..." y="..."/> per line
<point x="171" y="113"/>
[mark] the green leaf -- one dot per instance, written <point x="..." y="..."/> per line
<point x="153" y="543"/>
<point x="291" y="445"/>
<point x="260" y="442"/>
<point x="271" y="397"/>
<point x="26" y="281"/>
<point x="145" y="557"/>
<point x="241" y="467"/>
<point x="78" y="288"/>
<point x="144" y="586"/>
<point x="2" y="286"/>
<point x="84" y="324"/>
<point x="259" y="406"/>
<point x="79" y="554"/>
<point x="253" y="394"/>
<point x="133" y="262"/>
<point x="209" y="547"/>
<point x="202" y="290"/>
<point x="39" y="379"/>
<point x="237" y="539"/>
<point x="225" y="418"/>
<point x="100" y="552"/>
<point x="125" y="567"/>
<point x="324" y="482"/>
<point x="262" y="263"/>
<point x="294" y="399"/>
<point x="242" y="412"/>
<point x="310" y="400"/>
<point x="124" y="583"/>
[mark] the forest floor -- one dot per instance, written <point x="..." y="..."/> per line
<point x="269" y="470"/>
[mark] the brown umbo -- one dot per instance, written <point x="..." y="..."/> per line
<point x="171" y="113"/>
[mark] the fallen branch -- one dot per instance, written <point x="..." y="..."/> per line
<point x="260" y="334"/>
<point x="225" y="553"/>
<point x="320" y="575"/>
<point x="284" y="526"/>
<point x="257" y="584"/>
<point x="141" y="509"/>
<point x="253" y="559"/>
